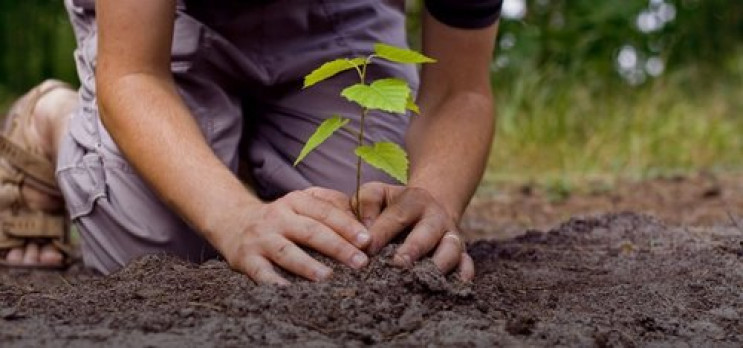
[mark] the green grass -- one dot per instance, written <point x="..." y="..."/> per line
<point x="560" y="129"/>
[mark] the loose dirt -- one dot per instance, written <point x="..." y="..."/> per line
<point x="611" y="280"/>
<point x="699" y="200"/>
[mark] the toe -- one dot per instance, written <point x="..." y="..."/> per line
<point x="15" y="256"/>
<point x="31" y="256"/>
<point x="50" y="256"/>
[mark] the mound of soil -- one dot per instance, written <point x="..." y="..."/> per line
<point x="612" y="280"/>
<point x="704" y="199"/>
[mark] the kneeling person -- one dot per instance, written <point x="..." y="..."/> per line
<point x="175" y="95"/>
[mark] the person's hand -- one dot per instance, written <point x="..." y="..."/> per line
<point x="269" y="234"/>
<point x="388" y="210"/>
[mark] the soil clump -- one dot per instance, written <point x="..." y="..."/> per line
<point x="612" y="280"/>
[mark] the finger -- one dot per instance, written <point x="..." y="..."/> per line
<point x="449" y="252"/>
<point x="31" y="256"/>
<point x="344" y="224"/>
<point x="424" y="237"/>
<point x="466" y="268"/>
<point x="290" y="257"/>
<point x="261" y="271"/>
<point x="371" y="201"/>
<point x="394" y="219"/>
<point x="310" y="233"/>
<point x="336" y="198"/>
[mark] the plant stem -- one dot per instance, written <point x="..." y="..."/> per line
<point x="357" y="208"/>
<point x="364" y="111"/>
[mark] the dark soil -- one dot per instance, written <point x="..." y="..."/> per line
<point x="619" y="279"/>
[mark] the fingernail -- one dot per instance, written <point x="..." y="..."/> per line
<point x="359" y="260"/>
<point x="322" y="274"/>
<point x="362" y="238"/>
<point x="402" y="260"/>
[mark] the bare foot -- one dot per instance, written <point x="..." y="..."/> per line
<point x="50" y="118"/>
<point x="32" y="255"/>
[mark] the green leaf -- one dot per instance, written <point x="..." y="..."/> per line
<point x="388" y="157"/>
<point x="400" y="55"/>
<point x="389" y="95"/>
<point x="322" y="133"/>
<point x="331" y="69"/>
<point x="412" y="106"/>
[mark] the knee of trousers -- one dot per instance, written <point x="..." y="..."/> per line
<point x="116" y="214"/>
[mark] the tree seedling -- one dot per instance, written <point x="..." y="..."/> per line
<point x="390" y="95"/>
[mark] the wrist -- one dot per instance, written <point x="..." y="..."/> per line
<point x="228" y="217"/>
<point x="451" y="203"/>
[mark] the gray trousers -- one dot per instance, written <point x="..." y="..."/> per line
<point x="239" y="66"/>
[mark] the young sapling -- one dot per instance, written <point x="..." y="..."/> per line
<point x="392" y="95"/>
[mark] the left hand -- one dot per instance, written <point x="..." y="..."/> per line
<point x="388" y="210"/>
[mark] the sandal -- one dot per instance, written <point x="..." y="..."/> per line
<point x="22" y="163"/>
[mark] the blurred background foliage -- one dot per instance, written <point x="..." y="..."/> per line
<point x="604" y="89"/>
<point x="36" y="42"/>
<point x="584" y="88"/>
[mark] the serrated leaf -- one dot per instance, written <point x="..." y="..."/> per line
<point x="322" y="133"/>
<point x="331" y="69"/>
<point x="389" y="95"/>
<point x="400" y="55"/>
<point x="412" y="106"/>
<point x="388" y="157"/>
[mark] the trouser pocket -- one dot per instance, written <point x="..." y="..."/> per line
<point x="81" y="178"/>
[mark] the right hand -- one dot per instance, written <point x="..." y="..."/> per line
<point x="270" y="233"/>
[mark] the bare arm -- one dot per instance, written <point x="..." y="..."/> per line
<point x="144" y="114"/>
<point x="146" y="117"/>
<point x="448" y="146"/>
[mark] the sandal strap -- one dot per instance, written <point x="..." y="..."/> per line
<point x="34" y="225"/>
<point x="8" y="242"/>
<point x="36" y="167"/>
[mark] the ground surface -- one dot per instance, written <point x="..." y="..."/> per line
<point x="617" y="279"/>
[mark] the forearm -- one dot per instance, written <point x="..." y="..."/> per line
<point x="448" y="152"/>
<point x="162" y="141"/>
<point x="450" y="141"/>
<point x="147" y="119"/>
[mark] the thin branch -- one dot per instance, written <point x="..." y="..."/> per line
<point x="366" y="64"/>
<point x="358" y="70"/>
<point x="65" y="280"/>
<point x="206" y="305"/>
